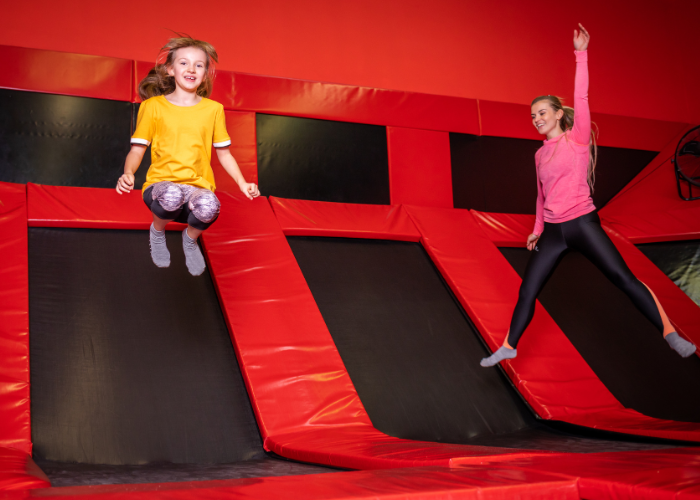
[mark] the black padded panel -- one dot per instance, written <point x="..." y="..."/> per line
<point x="322" y="160"/>
<point x="497" y="174"/>
<point x="412" y="353"/>
<point x="62" y="140"/>
<point x="680" y="261"/>
<point x="622" y="347"/>
<point x="130" y="363"/>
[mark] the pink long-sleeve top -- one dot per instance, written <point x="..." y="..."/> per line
<point x="562" y="163"/>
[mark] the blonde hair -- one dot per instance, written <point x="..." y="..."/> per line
<point x="159" y="82"/>
<point x="567" y="123"/>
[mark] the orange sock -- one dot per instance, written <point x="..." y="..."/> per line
<point x="668" y="327"/>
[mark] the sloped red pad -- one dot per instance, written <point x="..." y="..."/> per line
<point x="63" y="73"/>
<point x="681" y="310"/>
<point x="63" y="206"/>
<point x="549" y="373"/>
<point x="649" y="208"/>
<point x="305" y="403"/>
<point x="318" y="218"/>
<point x="19" y="472"/>
<point x="14" y="320"/>
<point x="505" y="230"/>
<point x="426" y="483"/>
<point x="637" y="474"/>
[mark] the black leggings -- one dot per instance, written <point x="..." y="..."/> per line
<point x="587" y="236"/>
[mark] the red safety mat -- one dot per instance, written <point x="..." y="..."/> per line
<point x="64" y="73"/>
<point x="425" y="483"/>
<point x="15" y="429"/>
<point x="318" y="218"/>
<point x="19" y="472"/>
<point x="62" y="206"/>
<point x="505" y="230"/>
<point x="551" y="375"/>
<point x="305" y="403"/>
<point x="668" y="474"/>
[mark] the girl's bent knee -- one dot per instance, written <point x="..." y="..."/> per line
<point x="169" y="195"/>
<point x="205" y="205"/>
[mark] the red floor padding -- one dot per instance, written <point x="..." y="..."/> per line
<point x="15" y="429"/>
<point x="426" y="483"/>
<point x="19" y="472"/>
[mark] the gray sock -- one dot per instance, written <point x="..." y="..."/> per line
<point x="193" y="255"/>
<point x="159" y="250"/>
<point x="499" y="355"/>
<point x="680" y="345"/>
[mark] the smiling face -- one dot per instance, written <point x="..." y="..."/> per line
<point x="188" y="68"/>
<point x="545" y="119"/>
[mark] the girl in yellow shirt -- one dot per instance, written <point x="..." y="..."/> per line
<point x="181" y="125"/>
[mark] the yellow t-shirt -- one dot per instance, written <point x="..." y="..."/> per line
<point x="181" y="139"/>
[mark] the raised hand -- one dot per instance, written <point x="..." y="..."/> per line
<point x="581" y="38"/>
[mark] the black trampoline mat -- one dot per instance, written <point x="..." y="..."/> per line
<point x="680" y="261"/>
<point x="130" y="363"/>
<point x="622" y="347"/>
<point x="413" y="355"/>
<point x="62" y="474"/>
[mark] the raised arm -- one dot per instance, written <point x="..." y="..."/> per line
<point x="581" y="131"/>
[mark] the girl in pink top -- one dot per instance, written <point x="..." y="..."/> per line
<point x="565" y="214"/>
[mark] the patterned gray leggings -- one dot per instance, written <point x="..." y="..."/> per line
<point x="182" y="203"/>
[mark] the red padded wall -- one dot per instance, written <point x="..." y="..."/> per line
<point x="61" y="73"/>
<point x="15" y="431"/>
<point x="420" y="172"/>
<point x="241" y="127"/>
<point x="493" y="51"/>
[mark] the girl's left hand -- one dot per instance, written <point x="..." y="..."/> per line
<point x="581" y="39"/>
<point x="250" y="190"/>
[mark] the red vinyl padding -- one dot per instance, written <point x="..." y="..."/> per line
<point x="305" y="403"/>
<point x="64" y="73"/>
<point x="504" y="119"/>
<point x="425" y="483"/>
<point x="636" y="474"/>
<point x="241" y="127"/>
<point x="649" y="209"/>
<point x="319" y="218"/>
<point x="19" y="472"/>
<point x="330" y="101"/>
<point x="64" y="206"/>
<point x="15" y="431"/>
<point x="505" y="230"/>
<point x="550" y="373"/>
<point x="420" y="171"/>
